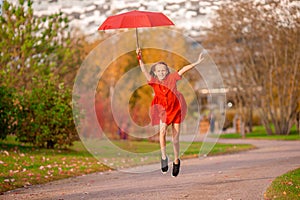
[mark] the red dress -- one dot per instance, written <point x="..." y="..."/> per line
<point x="168" y="104"/>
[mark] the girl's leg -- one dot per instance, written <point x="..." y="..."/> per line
<point x="162" y="140"/>
<point x="175" y="137"/>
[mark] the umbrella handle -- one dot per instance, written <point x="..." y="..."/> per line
<point x="137" y="38"/>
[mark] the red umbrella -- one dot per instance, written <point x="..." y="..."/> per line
<point x="136" y="19"/>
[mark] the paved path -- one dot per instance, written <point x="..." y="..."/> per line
<point x="245" y="176"/>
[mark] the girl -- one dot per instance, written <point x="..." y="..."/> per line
<point x="168" y="106"/>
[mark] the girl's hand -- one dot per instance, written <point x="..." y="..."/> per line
<point x="190" y="66"/>
<point x="139" y="53"/>
<point x="200" y="58"/>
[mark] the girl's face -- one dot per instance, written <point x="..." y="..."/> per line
<point x="161" y="71"/>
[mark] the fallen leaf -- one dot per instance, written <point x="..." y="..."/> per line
<point x="290" y="183"/>
<point x="27" y="183"/>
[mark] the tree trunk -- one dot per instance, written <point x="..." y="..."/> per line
<point x="298" y="122"/>
<point x="242" y="128"/>
<point x="250" y="123"/>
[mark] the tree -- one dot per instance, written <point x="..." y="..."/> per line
<point x="39" y="60"/>
<point x="258" y="47"/>
<point x="32" y="46"/>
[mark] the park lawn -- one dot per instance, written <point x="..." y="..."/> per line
<point x="24" y="165"/>
<point x="260" y="133"/>
<point x="284" y="187"/>
<point x="218" y="149"/>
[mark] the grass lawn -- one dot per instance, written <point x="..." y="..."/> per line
<point x="260" y="133"/>
<point x="23" y="165"/>
<point x="284" y="187"/>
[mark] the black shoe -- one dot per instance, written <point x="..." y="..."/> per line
<point x="164" y="165"/>
<point x="176" y="168"/>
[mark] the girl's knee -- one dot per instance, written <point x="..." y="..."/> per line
<point x="163" y="132"/>
<point x="175" y="138"/>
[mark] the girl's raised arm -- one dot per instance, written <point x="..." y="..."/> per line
<point x="145" y="72"/>
<point x="191" y="66"/>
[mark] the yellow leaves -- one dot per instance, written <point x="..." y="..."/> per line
<point x="5" y="152"/>
<point x="44" y="159"/>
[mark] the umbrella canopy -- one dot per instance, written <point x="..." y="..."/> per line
<point x="136" y="19"/>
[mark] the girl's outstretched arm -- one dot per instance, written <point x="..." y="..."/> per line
<point x="139" y="57"/>
<point x="191" y="66"/>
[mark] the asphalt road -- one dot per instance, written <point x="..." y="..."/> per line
<point x="244" y="175"/>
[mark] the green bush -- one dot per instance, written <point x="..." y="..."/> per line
<point x="46" y="116"/>
<point x="8" y="111"/>
<point x="37" y="111"/>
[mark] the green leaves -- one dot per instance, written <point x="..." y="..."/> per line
<point x="36" y="57"/>
<point x="8" y="111"/>
<point x="47" y="116"/>
<point x="26" y="37"/>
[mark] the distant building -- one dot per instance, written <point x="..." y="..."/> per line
<point x="193" y="16"/>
